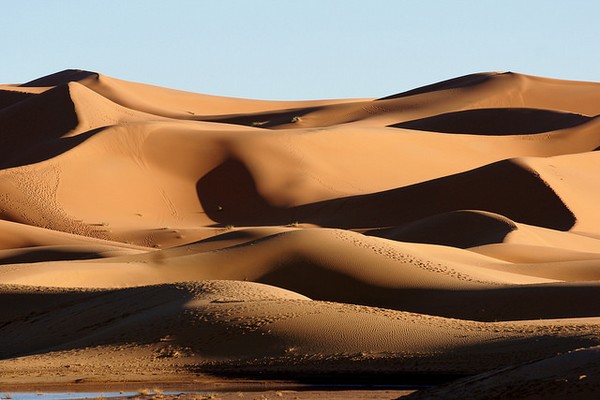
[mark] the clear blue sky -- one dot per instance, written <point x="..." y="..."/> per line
<point x="302" y="49"/>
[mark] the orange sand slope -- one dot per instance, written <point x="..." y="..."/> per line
<point x="448" y="230"/>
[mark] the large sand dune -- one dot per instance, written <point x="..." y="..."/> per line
<point x="149" y="234"/>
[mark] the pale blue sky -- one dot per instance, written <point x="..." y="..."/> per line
<point x="309" y="49"/>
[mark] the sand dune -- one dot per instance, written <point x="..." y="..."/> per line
<point x="163" y="101"/>
<point x="236" y="326"/>
<point x="346" y="267"/>
<point x="149" y="234"/>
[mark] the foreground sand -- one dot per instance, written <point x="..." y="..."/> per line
<point x="150" y="236"/>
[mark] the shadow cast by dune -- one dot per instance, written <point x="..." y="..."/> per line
<point x="496" y="121"/>
<point x="45" y="151"/>
<point x="9" y="97"/>
<point x="541" y="378"/>
<point x="60" y="78"/>
<point x="415" y="371"/>
<point x="37" y="120"/>
<point x="229" y="196"/>
<point x="454" y="83"/>
<point x="63" y="320"/>
<point x="34" y="255"/>
<point x="503" y="188"/>
<point x="461" y="229"/>
<point x="502" y="303"/>
<point x="510" y="303"/>
<point x="330" y="375"/>
<point x="34" y="129"/>
<point x="269" y="119"/>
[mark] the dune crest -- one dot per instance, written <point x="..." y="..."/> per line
<point x="445" y="231"/>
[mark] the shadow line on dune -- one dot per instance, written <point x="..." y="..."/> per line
<point x="60" y="78"/>
<point x="229" y="196"/>
<point x="46" y="150"/>
<point x="460" y="229"/>
<point x="454" y="83"/>
<point x="496" y="121"/>
<point x="35" y="254"/>
<point x="9" y="98"/>
<point x="328" y="375"/>
<point x="36" y="121"/>
<point x="263" y="119"/>
<point x="400" y="371"/>
<point x="487" y="303"/>
<point x="34" y="129"/>
<point x="54" y="321"/>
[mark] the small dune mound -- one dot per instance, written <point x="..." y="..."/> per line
<point x="497" y="121"/>
<point x="220" y="291"/>
<point x="462" y="229"/>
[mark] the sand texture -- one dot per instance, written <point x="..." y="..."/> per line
<point x="149" y="235"/>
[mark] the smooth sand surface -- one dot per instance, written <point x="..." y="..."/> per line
<point x="152" y="236"/>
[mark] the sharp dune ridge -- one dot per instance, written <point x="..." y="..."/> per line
<point x="149" y="234"/>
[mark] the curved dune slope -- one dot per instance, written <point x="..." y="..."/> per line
<point x="443" y="231"/>
<point x="347" y="267"/>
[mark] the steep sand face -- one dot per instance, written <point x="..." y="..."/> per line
<point x="448" y="230"/>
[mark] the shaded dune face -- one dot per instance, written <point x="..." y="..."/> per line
<point x="496" y="121"/>
<point x="36" y="121"/>
<point x="505" y="188"/>
<point x="462" y="229"/>
<point x="61" y="78"/>
<point x="447" y="230"/>
<point x="8" y="98"/>
<point x="220" y="191"/>
<point x="264" y="119"/>
<point x="449" y="84"/>
<point x="53" y="253"/>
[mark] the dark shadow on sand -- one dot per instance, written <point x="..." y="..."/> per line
<point x="496" y="121"/>
<point x="229" y="196"/>
<point x="35" y="254"/>
<point x="487" y="303"/>
<point x="57" y="321"/>
<point x="33" y="130"/>
<point x="461" y="229"/>
<point x="9" y="97"/>
<point x="268" y="119"/>
<point x="454" y="83"/>
<point x="60" y="78"/>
